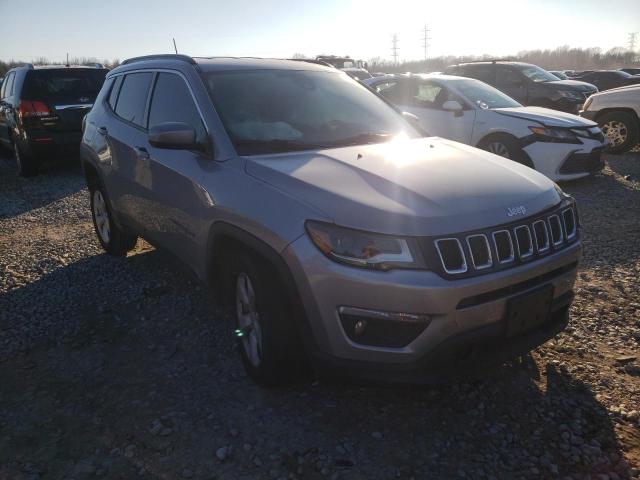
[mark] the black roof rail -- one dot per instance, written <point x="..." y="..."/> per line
<point x="162" y="56"/>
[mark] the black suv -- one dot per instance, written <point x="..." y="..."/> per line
<point x="528" y="84"/>
<point x="41" y="110"/>
<point x="608" y="79"/>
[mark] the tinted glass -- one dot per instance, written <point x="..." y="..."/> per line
<point x="284" y="110"/>
<point x="132" y="99"/>
<point x="113" y="95"/>
<point x="64" y="85"/>
<point x="507" y="76"/>
<point x="483" y="95"/>
<point x="486" y="73"/>
<point x="172" y="102"/>
<point x="8" y="84"/>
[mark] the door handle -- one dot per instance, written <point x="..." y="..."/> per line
<point x="141" y="152"/>
<point x="103" y="130"/>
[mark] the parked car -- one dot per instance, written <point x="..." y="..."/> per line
<point x="617" y="112"/>
<point x="608" y="79"/>
<point x="528" y="84"/>
<point x="560" y="145"/>
<point x="317" y="210"/>
<point x="357" y="73"/>
<point x="631" y="70"/>
<point x="41" y="110"/>
<point x="559" y="74"/>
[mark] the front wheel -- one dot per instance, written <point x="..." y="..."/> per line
<point x="266" y="337"/>
<point x="112" y="238"/>
<point x="621" y="129"/>
<point x="505" y="146"/>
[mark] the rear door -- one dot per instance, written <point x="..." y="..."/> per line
<point x="126" y="135"/>
<point x="175" y="193"/>
<point x="67" y="93"/>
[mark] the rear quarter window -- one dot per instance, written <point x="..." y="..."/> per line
<point x="132" y="99"/>
<point x="64" y="85"/>
<point x="113" y="94"/>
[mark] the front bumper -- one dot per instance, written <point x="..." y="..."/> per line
<point x="566" y="161"/>
<point x="465" y="314"/>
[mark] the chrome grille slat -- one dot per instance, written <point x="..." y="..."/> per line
<point x="547" y="244"/>
<point x="500" y="248"/>
<point x="522" y="252"/>
<point x="487" y="247"/>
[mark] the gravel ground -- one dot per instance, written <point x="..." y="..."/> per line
<point x="126" y="368"/>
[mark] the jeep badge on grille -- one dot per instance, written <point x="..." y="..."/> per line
<point x="515" y="211"/>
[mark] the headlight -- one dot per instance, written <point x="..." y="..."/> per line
<point x="561" y="135"/>
<point x="365" y="249"/>
<point x="571" y="94"/>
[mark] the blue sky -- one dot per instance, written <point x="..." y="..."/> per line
<point x="280" y="28"/>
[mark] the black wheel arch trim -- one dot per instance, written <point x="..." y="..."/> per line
<point x="261" y="248"/>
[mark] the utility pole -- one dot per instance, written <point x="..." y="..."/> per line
<point x="632" y="41"/>
<point x="425" y="40"/>
<point x="394" y="48"/>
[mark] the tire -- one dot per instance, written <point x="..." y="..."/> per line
<point x="113" y="239"/>
<point x="27" y="164"/>
<point x="621" y="129"/>
<point x="266" y="336"/>
<point x="505" y="146"/>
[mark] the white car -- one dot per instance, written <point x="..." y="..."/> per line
<point x="560" y="145"/>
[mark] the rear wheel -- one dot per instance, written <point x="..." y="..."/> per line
<point x="265" y="333"/>
<point x="505" y="146"/>
<point x="621" y="129"/>
<point x="27" y="164"/>
<point x="112" y="238"/>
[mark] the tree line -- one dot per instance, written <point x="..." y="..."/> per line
<point x="561" y="58"/>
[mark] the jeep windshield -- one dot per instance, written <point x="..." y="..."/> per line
<point x="269" y="111"/>
<point x="537" y="74"/>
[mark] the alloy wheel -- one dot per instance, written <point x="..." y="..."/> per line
<point x="101" y="216"/>
<point x="499" y="148"/>
<point x="616" y="132"/>
<point x="248" y="319"/>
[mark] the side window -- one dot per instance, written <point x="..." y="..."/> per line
<point x="172" y="102"/>
<point x="398" y="92"/>
<point x="132" y="99"/>
<point x="427" y="94"/>
<point x="482" y="72"/>
<point x="113" y="94"/>
<point x="7" y="86"/>
<point x="507" y="76"/>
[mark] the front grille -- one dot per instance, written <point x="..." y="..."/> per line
<point x="583" y="162"/>
<point x="498" y="248"/>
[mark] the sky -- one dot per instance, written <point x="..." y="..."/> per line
<point x="108" y="29"/>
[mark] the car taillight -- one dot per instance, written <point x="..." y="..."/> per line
<point x="33" y="108"/>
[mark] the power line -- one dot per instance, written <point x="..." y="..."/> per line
<point x="425" y="40"/>
<point x="394" y="48"/>
<point x="632" y="41"/>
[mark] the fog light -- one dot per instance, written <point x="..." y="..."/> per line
<point x="382" y="329"/>
<point x="359" y="327"/>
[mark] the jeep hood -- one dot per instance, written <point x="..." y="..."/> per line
<point x="428" y="186"/>
<point x="546" y="116"/>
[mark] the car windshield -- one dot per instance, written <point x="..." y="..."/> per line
<point x="537" y="74"/>
<point x="483" y="95"/>
<point x="267" y="111"/>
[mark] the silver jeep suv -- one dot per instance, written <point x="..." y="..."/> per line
<point x="317" y="210"/>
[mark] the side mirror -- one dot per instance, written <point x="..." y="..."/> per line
<point x="175" y="135"/>
<point x="452" y="106"/>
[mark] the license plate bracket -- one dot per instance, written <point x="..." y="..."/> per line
<point x="529" y="310"/>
